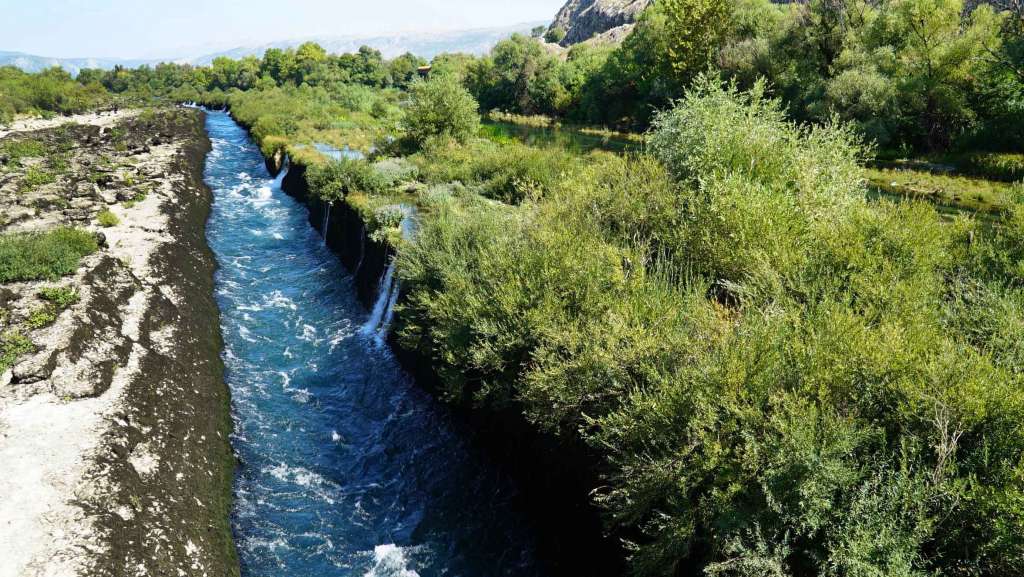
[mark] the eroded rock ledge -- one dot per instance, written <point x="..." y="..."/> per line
<point x="114" y="427"/>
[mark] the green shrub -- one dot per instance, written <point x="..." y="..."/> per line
<point x="555" y="34"/>
<point x="395" y="170"/>
<point x="17" y="150"/>
<point x="41" y="317"/>
<point x="60" y="297"/>
<point x="779" y="376"/>
<point x="107" y="219"/>
<point x="332" y="180"/>
<point x="441" y="108"/>
<point x="510" y="172"/>
<point x="12" y="346"/>
<point x="36" y="177"/>
<point x="43" y="255"/>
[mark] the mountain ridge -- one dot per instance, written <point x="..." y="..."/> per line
<point x="426" y="44"/>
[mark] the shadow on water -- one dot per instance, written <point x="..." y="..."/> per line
<point x="347" y="469"/>
<point x="565" y="138"/>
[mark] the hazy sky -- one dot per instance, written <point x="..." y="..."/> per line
<point x="160" y="28"/>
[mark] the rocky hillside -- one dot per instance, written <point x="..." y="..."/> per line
<point x="586" y="19"/>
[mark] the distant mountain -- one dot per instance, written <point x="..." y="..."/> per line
<point x="32" y="63"/>
<point x="424" y="44"/>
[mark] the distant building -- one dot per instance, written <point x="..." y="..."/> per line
<point x="424" y="71"/>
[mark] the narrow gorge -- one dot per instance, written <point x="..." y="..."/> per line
<point x="345" y="466"/>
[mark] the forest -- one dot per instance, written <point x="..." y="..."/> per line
<point x="781" y="369"/>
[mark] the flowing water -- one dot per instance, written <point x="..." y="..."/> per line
<point x="346" y="468"/>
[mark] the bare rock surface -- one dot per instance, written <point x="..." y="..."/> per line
<point x="114" y="426"/>
<point x="584" y="20"/>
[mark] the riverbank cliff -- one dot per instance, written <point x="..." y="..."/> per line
<point x="114" y="415"/>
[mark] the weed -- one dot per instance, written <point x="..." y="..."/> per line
<point x="12" y="346"/>
<point x="60" y="297"/>
<point x="43" y="255"/>
<point x="108" y="219"/>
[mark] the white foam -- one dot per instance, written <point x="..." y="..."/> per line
<point x="245" y="334"/>
<point x="390" y="561"/>
<point x="277" y="299"/>
<point x="296" y="475"/>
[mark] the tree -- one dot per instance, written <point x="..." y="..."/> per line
<point x="931" y="52"/>
<point x="518" y="75"/>
<point x="308" y="59"/>
<point x="695" y="31"/>
<point x="555" y="35"/>
<point x="403" y="70"/>
<point x="441" y="108"/>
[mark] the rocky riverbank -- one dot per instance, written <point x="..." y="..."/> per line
<point x="114" y="416"/>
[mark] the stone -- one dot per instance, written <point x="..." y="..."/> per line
<point x="586" y="19"/>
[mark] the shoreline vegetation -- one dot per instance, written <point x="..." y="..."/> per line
<point x="541" y="121"/>
<point x="750" y="363"/>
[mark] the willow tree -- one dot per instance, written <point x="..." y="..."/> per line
<point x="695" y="30"/>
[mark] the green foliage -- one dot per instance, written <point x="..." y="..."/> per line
<point x="36" y="177"/>
<point x="441" y="109"/>
<point x="43" y="255"/>
<point x="510" y="172"/>
<point x="981" y="196"/>
<point x="12" y="346"/>
<point x="554" y="35"/>
<point x="695" y="30"/>
<point x="50" y="91"/>
<point x="780" y="377"/>
<point x="17" y="150"/>
<point x="107" y="219"/>
<point x="60" y="297"/>
<point x="334" y="180"/>
<point x="520" y="75"/>
<point x="41" y="317"/>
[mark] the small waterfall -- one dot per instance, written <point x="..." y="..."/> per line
<point x="327" y="220"/>
<point x="384" y="305"/>
<point x="387" y="295"/>
<point x="362" y="250"/>
<point x="279" y="179"/>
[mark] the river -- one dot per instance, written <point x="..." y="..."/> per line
<point x="346" y="468"/>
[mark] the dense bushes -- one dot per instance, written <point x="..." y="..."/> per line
<point x="440" y="108"/>
<point x="44" y="255"/>
<point x="782" y="377"/>
<point x="333" y="180"/>
<point x="509" y="172"/>
<point x="920" y="75"/>
<point x="51" y="91"/>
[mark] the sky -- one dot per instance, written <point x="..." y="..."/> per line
<point x="165" y="29"/>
